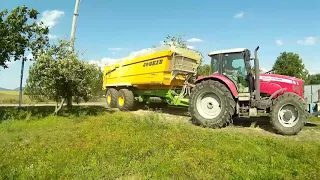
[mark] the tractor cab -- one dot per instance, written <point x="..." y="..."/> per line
<point x="234" y="64"/>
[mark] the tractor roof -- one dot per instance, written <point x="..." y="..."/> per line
<point x="227" y="51"/>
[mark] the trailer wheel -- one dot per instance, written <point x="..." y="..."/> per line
<point x="111" y="97"/>
<point x="125" y="100"/>
<point x="288" y="114"/>
<point x="211" y="104"/>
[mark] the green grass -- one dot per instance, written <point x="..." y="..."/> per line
<point x="127" y="146"/>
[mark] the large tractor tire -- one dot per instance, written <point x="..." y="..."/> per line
<point x="288" y="114"/>
<point x="211" y="104"/>
<point x="125" y="100"/>
<point x="112" y="97"/>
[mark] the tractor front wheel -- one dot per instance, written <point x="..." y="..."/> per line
<point x="211" y="104"/>
<point x="288" y="114"/>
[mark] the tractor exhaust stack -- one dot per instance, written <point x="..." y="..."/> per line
<point x="257" y="74"/>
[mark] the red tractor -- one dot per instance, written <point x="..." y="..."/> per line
<point x="232" y="90"/>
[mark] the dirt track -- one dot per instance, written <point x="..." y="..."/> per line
<point x="259" y="126"/>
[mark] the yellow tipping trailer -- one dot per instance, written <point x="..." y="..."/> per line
<point x="154" y="75"/>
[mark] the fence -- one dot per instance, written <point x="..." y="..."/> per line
<point x="312" y="93"/>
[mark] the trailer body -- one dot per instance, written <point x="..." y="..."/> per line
<point x="154" y="75"/>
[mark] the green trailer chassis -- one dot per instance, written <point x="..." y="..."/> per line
<point x="168" y="96"/>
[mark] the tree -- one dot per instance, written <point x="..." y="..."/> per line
<point x="19" y="36"/>
<point x="290" y="64"/>
<point x="58" y="75"/>
<point x="204" y="70"/>
<point x="314" y="79"/>
<point x="253" y="70"/>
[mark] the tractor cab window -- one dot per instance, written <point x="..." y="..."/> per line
<point x="214" y="64"/>
<point x="234" y="67"/>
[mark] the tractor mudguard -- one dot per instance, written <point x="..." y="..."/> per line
<point x="223" y="80"/>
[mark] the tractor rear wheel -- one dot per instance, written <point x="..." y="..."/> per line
<point x="125" y="100"/>
<point x="288" y="114"/>
<point x="211" y="104"/>
<point x="111" y="97"/>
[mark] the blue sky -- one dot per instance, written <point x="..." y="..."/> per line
<point x="111" y="29"/>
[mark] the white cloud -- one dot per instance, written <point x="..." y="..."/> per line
<point x="279" y="42"/>
<point x="194" y="40"/>
<point x="103" y="62"/>
<point x="115" y="49"/>
<point x="50" y="18"/>
<point x="308" y="41"/>
<point x="190" y="47"/>
<point x="239" y="15"/>
<point x="51" y="36"/>
<point x="141" y="52"/>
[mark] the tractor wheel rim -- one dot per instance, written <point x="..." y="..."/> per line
<point x="288" y="115"/>
<point x="109" y="98"/>
<point x="209" y="105"/>
<point x="121" y="100"/>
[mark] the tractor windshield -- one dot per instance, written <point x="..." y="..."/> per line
<point x="234" y="67"/>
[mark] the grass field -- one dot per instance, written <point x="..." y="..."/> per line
<point x="12" y="97"/>
<point x="97" y="143"/>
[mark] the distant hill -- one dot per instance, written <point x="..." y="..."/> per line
<point x="5" y="89"/>
<point x="18" y="89"/>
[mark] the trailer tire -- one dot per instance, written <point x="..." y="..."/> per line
<point x="288" y="108"/>
<point x="125" y="100"/>
<point x="112" y="97"/>
<point x="200" y="106"/>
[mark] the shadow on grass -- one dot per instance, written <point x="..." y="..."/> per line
<point x="162" y="108"/>
<point x="36" y="112"/>
<point x="262" y="122"/>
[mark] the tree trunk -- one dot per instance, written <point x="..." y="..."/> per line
<point x="69" y="101"/>
<point x="59" y="107"/>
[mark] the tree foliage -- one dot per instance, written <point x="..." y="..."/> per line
<point x="253" y="70"/>
<point x="314" y="79"/>
<point x="204" y="70"/>
<point x="18" y="35"/>
<point x="58" y="75"/>
<point x="290" y="64"/>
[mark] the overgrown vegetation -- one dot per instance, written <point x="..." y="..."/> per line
<point x="37" y="112"/>
<point x="123" y="145"/>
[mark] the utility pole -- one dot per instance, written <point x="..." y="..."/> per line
<point x="72" y="38"/>
<point x="74" y="22"/>
<point x="21" y="78"/>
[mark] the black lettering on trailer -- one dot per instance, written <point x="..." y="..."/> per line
<point x="153" y="63"/>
